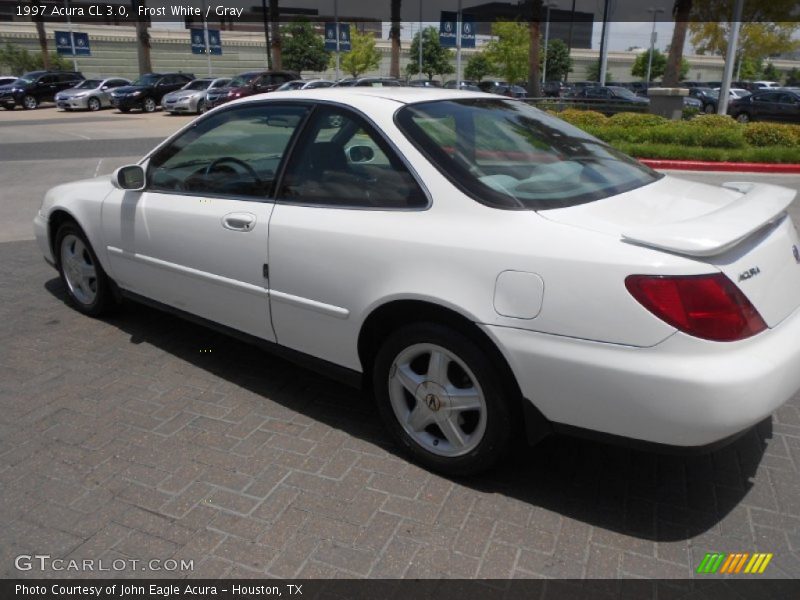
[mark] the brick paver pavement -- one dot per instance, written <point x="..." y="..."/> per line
<point x="146" y="437"/>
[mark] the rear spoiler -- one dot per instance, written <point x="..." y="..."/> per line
<point x="712" y="233"/>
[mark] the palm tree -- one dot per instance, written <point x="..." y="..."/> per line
<point x="142" y="39"/>
<point x="40" y="32"/>
<point x="534" y="29"/>
<point x="394" y="35"/>
<point x="275" y="32"/>
<point x="681" y="11"/>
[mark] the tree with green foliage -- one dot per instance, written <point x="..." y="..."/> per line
<point x="559" y="62"/>
<point x="436" y="60"/>
<point x="770" y="73"/>
<point x="639" y="68"/>
<point x="793" y="77"/>
<point x="509" y="51"/>
<point x="764" y="31"/>
<point x="593" y="71"/>
<point x="16" y="60"/>
<point x="478" y="67"/>
<point x="303" y="50"/>
<point x="363" y="55"/>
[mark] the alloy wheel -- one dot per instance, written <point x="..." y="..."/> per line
<point x="30" y="102"/>
<point x="149" y="105"/>
<point x="79" y="270"/>
<point x="437" y="400"/>
<point x="94" y="104"/>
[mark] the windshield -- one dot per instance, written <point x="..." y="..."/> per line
<point x="146" y="80"/>
<point x="507" y="154"/>
<point x="243" y="80"/>
<point x="624" y="92"/>
<point x="89" y="84"/>
<point x="197" y="84"/>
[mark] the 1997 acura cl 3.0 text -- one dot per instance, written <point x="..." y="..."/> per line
<point x="478" y="263"/>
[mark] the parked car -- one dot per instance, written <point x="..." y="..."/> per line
<point x="503" y="271"/>
<point x="368" y="82"/>
<point x="765" y="85"/>
<point x="708" y="98"/>
<point x="693" y="103"/>
<point x="250" y="83"/>
<point x="613" y="94"/>
<point x="35" y="87"/>
<point x="147" y="92"/>
<point x="89" y="94"/>
<point x="191" y="98"/>
<point x="470" y="86"/>
<point x="304" y="84"/>
<point x="554" y="89"/>
<point x="773" y="105"/>
<point x="6" y="79"/>
<point x="503" y="88"/>
<point x="430" y="83"/>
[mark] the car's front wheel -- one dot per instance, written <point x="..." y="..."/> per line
<point x="94" y="104"/>
<point x="29" y="102"/>
<point x="88" y="287"/>
<point x="149" y="105"/>
<point x="709" y="109"/>
<point x="442" y="399"/>
<point x="201" y="107"/>
<point x="743" y="117"/>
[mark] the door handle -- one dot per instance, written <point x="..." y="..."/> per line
<point x="239" y="221"/>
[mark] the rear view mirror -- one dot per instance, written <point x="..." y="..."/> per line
<point x="130" y="177"/>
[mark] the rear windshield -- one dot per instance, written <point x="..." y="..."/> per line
<point x="507" y="154"/>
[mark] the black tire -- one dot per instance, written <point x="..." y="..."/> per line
<point x="497" y="434"/>
<point x="744" y="117"/>
<point x="94" y="104"/>
<point x="29" y="102"/>
<point x="149" y="105"/>
<point x="201" y="107"/>
<point x="104" y="301"/>
<point x="709" y="109"/>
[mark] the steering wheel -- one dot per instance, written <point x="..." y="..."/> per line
<point x="234" y="160"/>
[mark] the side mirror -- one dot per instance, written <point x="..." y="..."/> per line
<point x="360" y="154"/>
<point x="130" y="177"/>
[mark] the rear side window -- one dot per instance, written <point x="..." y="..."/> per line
<point x="341" y="161"/>
<point x="506" y="154"/>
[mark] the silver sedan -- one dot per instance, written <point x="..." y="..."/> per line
<point x="91" y="94"/>
<point x="191" y="98"/>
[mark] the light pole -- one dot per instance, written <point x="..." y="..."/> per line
<point x="733" y="43"/>
<point x="336" y="20"/>
<point x="548" y="4"/>
<point x="655" y="12"/>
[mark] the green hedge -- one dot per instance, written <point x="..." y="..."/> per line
<point x="705" y="137"/>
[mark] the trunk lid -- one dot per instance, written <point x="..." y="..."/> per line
<point x="742" y="229"/>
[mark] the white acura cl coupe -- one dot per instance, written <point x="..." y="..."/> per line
<point x="485" y="268"/>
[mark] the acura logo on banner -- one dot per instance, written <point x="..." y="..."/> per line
<point x="344" y="36"/>
<point x="447" y="30"/>
<point x="199" y="42"/>
<point x="64" y="46"/>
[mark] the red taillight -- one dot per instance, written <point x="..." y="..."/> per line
<point x="705" y="306"/>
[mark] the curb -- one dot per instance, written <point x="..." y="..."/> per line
<point x="699" y="165"/>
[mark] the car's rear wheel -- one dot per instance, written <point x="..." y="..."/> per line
<point x="29" y="102"/>
<point x="88" y="287"/>
<point x="149" y="105"/>
<point x="442" y="399"/>
<point x="94" y="104"/>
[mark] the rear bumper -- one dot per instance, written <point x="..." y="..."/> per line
<point x="683" y="392"/>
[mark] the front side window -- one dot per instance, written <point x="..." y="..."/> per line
<point x="341" y="161"/>
<point x="507" y="154"/>
<point x="233" y="153"/>
<point x="197" y="84"/>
